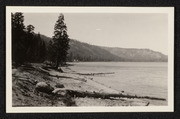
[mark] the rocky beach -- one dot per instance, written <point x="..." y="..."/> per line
<point x="69" y="88"/>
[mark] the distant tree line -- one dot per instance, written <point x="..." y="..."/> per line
<point x="28" y="46"/>
<point x="76" y="57"/>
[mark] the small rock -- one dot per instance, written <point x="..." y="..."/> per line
<point x="59" y="91"/>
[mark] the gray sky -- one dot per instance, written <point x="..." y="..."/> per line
<point x="124" y="30"/>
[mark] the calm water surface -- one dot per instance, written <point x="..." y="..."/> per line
<point x="141" y="78"/>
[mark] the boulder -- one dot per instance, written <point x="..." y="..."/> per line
<point x="44" y="87"/>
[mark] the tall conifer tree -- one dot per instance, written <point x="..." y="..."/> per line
<point x="60" y="41"/>
<point x="18" y="38"/>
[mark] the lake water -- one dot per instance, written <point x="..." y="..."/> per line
<point x="141" y="78"/>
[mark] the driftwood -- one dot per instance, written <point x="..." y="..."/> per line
<point x="44" y="71"/>
<point x="57" y="76"/>
<point x="75" y="93"/>
<point x="92" y="74"/>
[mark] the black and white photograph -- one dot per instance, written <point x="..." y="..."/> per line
<point x="89" y="59"/>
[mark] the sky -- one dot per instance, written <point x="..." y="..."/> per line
<point x="125" y="30"/>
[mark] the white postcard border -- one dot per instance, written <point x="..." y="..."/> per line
<point x="33" y="9"/>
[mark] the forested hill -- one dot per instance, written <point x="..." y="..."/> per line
<point x="137" y="55"/>
<point x="85" y="52"/>
<point x="80" y="51"/>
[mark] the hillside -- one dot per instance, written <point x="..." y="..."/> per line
<point x="85" y="52"/>
<point x="137" y="55"/>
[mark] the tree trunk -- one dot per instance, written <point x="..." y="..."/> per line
<point x="76" y="93"/>
<point x="57" y="61"/>
<point x="57" y="65"/>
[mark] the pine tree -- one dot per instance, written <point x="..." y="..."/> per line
<point x="27" y="46"/>
<point x="30" y="43"/>
<point x="30" y="28"/>
<point x="41" y="49"/>
<point x="51" y="54"/>
<point x="18" y="38"/>
<point x="60" y="41"/>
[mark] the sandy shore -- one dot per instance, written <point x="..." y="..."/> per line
<point x="24" y="83"/>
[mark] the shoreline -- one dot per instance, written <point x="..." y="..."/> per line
<point x="71" y="81"/>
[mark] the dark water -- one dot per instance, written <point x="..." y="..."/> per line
<point x="141" y="78"/>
